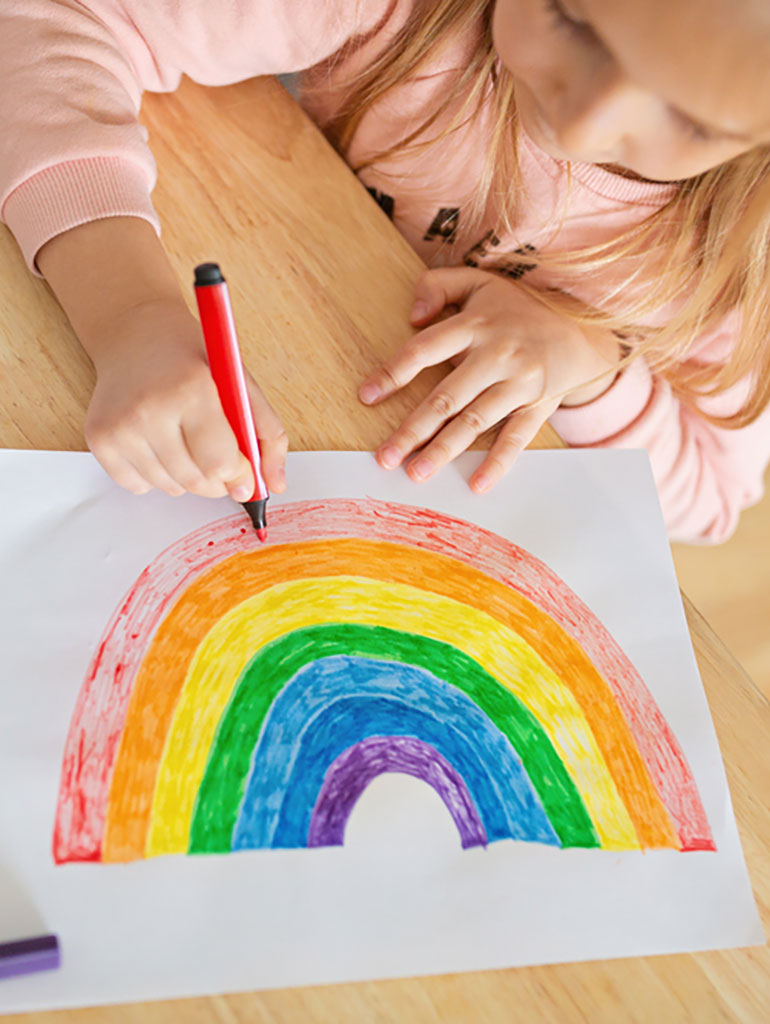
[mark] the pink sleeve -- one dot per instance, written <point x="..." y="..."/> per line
<point x="705" y="474"/>
<point x="71" y="148"/>
<point x="71" y="82"/>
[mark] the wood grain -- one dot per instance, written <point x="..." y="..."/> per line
<point x="321" y="284"/>
<point x="730" y="584"/>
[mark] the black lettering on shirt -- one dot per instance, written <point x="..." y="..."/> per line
<point x="444" y="225"/>
<point x="385" y="202"/>
<point x="514" y="269"/>
<point x="480" y="249"/>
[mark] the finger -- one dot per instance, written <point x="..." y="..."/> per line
<point x="213" y="450"/>
<point x="472" y="420"/>
<point x="122" y="471"/>
<point x="434" y="345"/>
<point x="449" y="399"/>
<point x="442" y="287"/>
<point x="173" y="451"/>
<point x="273" y="439"/>
<point x="146" y="463"/>
<point x="513" y="438"/>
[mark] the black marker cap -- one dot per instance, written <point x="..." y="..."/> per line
<point x="256" y="510"/>
<point x="208" y="273"/>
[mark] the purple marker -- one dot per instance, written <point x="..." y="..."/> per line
<point x="28" y="955"/>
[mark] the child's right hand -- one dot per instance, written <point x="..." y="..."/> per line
<point x="155" y="419"/>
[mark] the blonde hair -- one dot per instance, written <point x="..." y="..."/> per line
<point x="710" y="242"/>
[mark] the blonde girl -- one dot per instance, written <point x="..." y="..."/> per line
<point x="587" y="180"/>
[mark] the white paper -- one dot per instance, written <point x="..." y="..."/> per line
<point x="400" y="897"/>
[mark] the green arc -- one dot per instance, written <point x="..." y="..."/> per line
<point x="222" y="789"/>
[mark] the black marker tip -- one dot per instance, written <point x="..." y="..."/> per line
<point x="256" y="511"/>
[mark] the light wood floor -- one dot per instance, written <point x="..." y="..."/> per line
<point x="730" y="586"/>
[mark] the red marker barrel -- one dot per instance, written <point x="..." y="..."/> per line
<point x="227" y="370"/>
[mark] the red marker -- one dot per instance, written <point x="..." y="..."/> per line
<point x="227" y="370"/>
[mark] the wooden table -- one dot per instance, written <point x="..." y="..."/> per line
<point x="322" y="283"/>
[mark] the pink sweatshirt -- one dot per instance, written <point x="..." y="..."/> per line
<point x="72" y="73"/>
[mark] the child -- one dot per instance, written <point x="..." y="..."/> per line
<point x="588" y="180"/>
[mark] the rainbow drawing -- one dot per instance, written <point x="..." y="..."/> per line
<point x="243" y="696"/>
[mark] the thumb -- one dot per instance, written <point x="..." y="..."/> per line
<point x="447" y="286"/>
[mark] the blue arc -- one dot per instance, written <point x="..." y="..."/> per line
<point x="334" y="703"/>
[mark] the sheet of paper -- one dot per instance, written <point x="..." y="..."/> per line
<point x="405" y="839"/>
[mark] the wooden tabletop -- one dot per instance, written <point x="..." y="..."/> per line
<point x="322" y="283"/>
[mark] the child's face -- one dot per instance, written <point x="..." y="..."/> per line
<point x="664" y="88"/>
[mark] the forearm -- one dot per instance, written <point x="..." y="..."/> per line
<point x="102" y="271"/>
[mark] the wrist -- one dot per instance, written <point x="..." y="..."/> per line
<point x="147" y="331"/>
<point x="582" y="396"/>
<point x="608" y="353"/>
<point x="108" y="270"/>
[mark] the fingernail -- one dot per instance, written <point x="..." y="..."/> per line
<point x="390" y="457"/>
<point x="241" y="493"/>
<point x="280" y="479"/>
<point x="419" y="310"/>
<point x="481" y="483"/>
<point x="421" y="468"/>
<point x="369" y="393"/>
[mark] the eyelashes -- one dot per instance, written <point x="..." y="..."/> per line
<point x="562" y="21"/>
<point x="692" y="128"/>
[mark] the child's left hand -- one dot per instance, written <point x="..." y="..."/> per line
<point x="515" y="359"/>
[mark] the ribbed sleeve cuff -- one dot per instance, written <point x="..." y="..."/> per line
<point x="609" y="414"/>
<point x="72" y="193"/>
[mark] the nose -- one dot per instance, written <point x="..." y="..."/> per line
<point x="594" y="117"/>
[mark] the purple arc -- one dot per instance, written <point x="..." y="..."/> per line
<point x="351" y="772"/>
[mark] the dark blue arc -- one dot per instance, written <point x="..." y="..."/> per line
<point x="338" y="701"/>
